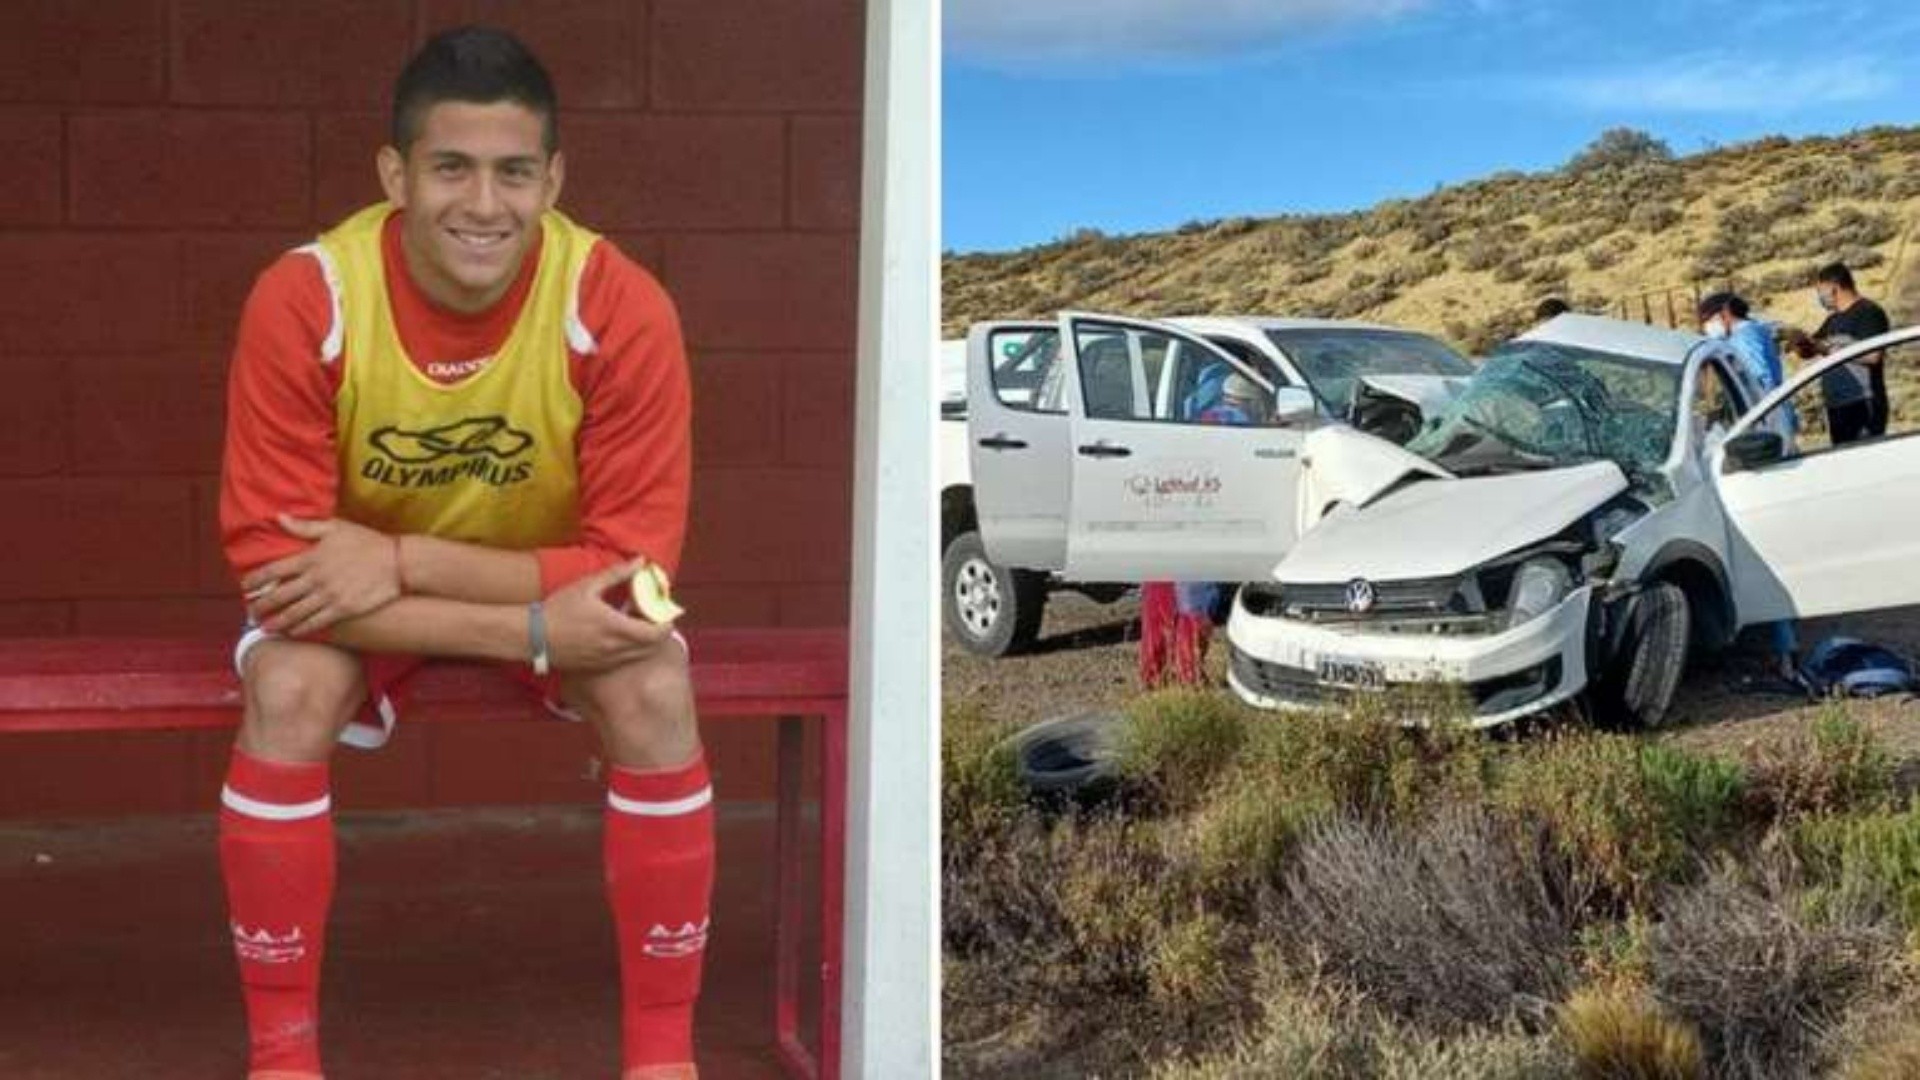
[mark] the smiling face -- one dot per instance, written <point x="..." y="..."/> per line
<point x="473" y="184"/>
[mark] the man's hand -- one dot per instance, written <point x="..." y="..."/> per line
<point x="349" y="571"/>
<point x="585" y="633"/>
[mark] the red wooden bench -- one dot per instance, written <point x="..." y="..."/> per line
<point x="124" y="684"/>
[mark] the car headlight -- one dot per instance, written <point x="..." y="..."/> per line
<point x="1538" y="586"/>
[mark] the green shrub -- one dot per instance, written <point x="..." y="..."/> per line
<point x="1240" y="839"/>
<point x="1176" y="743"/>
<point x="1876" y="852"/>
<point x="1374" y="759"/>
<point x="1631" y="813"/>
<point x="1189" y="969"/>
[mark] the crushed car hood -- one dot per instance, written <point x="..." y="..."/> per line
<point x="1428" y="393"/>
<point x="1441" y="527"/>
<point x="1342" y="464"/>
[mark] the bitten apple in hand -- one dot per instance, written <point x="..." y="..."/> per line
<point x="652" y="595"/>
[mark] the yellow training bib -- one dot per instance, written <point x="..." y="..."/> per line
<point x="489" y="459"/>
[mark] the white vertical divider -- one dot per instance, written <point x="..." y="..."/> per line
<point x="890" y="1020"/>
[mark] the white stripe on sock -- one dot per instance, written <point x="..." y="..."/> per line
<point x="661" y="809"/>
<point x="239" y="803"/>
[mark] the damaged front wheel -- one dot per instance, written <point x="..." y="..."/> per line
<point x="1636" y="687"/>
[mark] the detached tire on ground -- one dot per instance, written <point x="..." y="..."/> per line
<point x="992" y="610"/>
<point x="1069" y="758"/>
<point x="1637" y="687"/>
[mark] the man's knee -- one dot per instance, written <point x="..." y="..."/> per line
<point x="298" y="697"/>
<point x="644" y="710"/>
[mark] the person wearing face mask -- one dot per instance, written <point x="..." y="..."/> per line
<point x="1726" y="316"/>
<point x="1857" y="392"/>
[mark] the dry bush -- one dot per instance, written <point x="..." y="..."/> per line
<point x="1313" y="1034"/>
<point x="1468" y="919"/>
<point x="1832" y="764"/>
<point x="1599" y="258"/>
<point x="1416" y="269"/>
<point x="1901" y="188"/>
<point x="1893" y="1055"/>
<point x="1653" y="218"/>
<point x="1861" y="258"/>
<point x="1481" y="251"/>
<point x="980" y="790"/>
<point x="1739" y="957"/>
<point x="1616" y="148"/>
<point x="1429" y="234"/>
<point x="1309" y="272"/>
<point x="1513" y="267"/>
<point x="1618" y="1033"/>
<point x="1551" y="272"/>
<point x="1361" y="301"/>
<point x="1785" y="201"/>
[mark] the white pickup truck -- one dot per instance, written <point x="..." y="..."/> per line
<point x="1076" y="451"/>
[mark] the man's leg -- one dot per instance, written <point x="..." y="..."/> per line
<point x="1785" y="646"/>
<point x="658" y="851"/>
<point x="1846" y="423"/>
<point x="276" y="843"/>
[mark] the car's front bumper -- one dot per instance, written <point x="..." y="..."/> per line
<point x="1276" y="662"/>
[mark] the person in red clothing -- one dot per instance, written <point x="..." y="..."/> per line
<point x="455" y="422"/>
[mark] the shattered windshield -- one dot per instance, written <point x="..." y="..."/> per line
<point x="1535" y="404"/>
<point x="1333" y="360"/>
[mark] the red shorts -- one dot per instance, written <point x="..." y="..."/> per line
<point x="387" y="675"/>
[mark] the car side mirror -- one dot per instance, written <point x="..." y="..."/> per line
<point x="1292" y="405"/>
<point x="1751" y="449"/>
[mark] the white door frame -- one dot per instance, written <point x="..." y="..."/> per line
<point x="889" y="1023"/>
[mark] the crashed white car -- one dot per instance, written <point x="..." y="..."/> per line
<point x="1601" y="497"/>
<point x="1079" y="450"/>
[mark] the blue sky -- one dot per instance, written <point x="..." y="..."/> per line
<point x="1134" y="115"/>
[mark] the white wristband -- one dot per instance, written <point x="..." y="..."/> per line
<point x="537" y="638"/>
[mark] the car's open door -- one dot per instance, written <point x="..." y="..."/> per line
<point x="1816" y="529"/>
<point x="1167" y="483"/>
<point x="1017" y="432"/>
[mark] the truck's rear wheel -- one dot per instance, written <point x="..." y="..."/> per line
<point x="991" y="610"/>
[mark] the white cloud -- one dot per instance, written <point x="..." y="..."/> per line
<point x="1131" y="29"/>
<point x="1719" y="83"/>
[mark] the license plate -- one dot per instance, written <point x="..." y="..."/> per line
<point x="1357" y="674"/>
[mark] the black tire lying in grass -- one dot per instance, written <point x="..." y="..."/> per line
<point x="992" y="610"/>
<point x="1073" y="757"/>
<point x="1636" y="688"/>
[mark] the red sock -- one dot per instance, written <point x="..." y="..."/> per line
<point x="659" y="860"/>
<point x="276" y="851"/>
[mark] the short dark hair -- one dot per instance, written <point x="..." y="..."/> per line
<point x="477" y="64"/>
<point x="1715" y="303"/>
<point x="1836" y="274"/>
<point x="1550" y="307"/>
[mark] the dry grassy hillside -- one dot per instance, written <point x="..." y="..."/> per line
<point x="1622" y="227"/>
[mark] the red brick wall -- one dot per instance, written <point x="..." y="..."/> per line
<point x="162" y="151"/>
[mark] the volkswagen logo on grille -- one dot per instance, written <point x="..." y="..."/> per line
<point x="1360" y="596"/>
